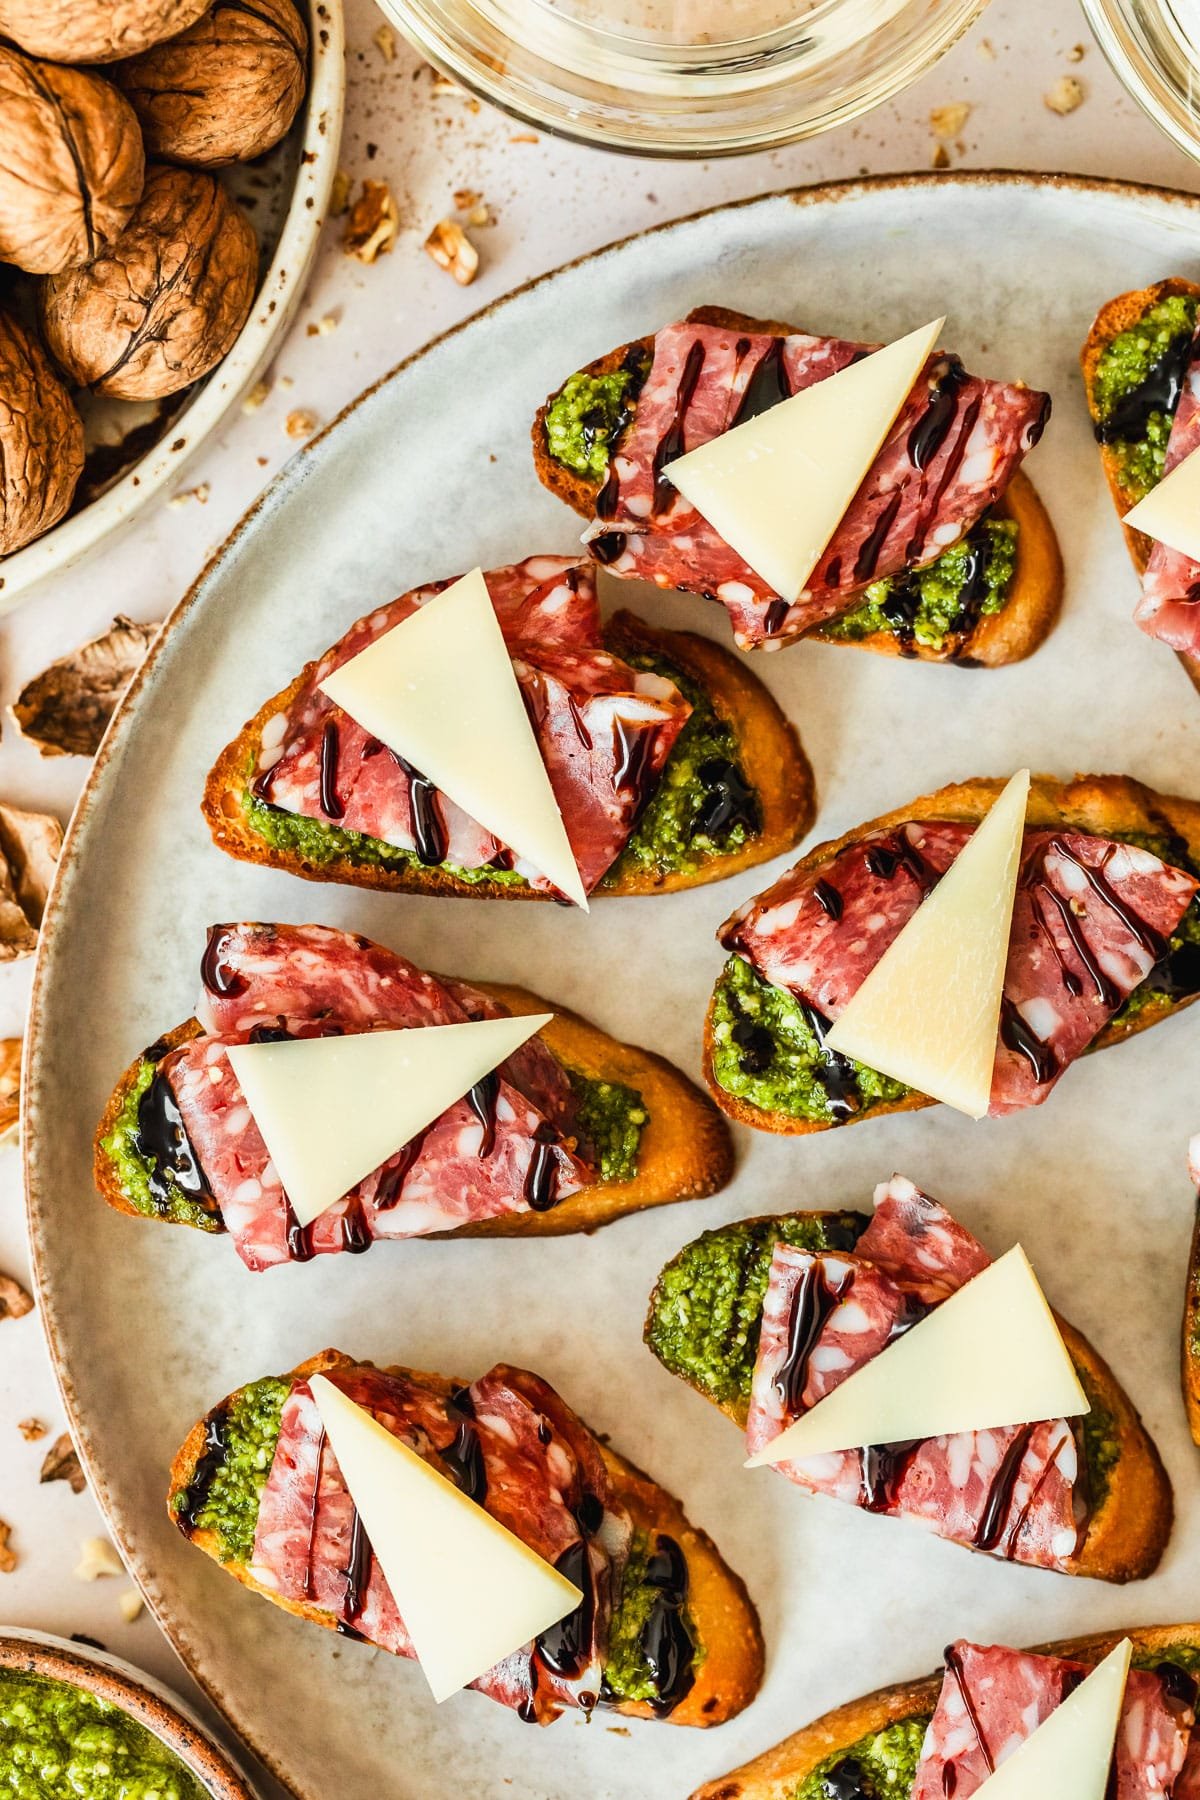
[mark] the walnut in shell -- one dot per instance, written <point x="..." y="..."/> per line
<point x="41" y="439"/>
<point x="65" y="709"/>
<point x="160" y="307"/>
<point x="29" y="847"/>
<point x="94" y="31"/>
<point x="71" y="163"/>
<point x="226" y="89"/>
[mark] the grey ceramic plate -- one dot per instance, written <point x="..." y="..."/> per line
<point x="427" y="474"/>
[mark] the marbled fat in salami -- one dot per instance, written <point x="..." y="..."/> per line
<point x="474" y="1162"/>
<point x="993" y="1699"/>
<point x="605" y="731"/>
<point x="1012" y="1491"/>
<point x="516" y="1448"/>
<point x="1170" y="604"/>
<point x="954" y="448"/>
<point x="1091" y="919"/>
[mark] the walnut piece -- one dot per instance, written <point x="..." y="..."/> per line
<point x="163" y="304"/>
<point x="14" y="1301"/>
<point x="1066" y="95"/>
<point x="41" y="439"/>
<point x="10" y="1087"/>
<point x="65" y="709"/>
<point x="374" y="223"/>
<point x="60" y="1463"/>
<point x="71" y="164"/>
<point x="8" y="1558"/>
<point x="31" y="1430"/>
<point x="225" y="90"/>
<point x="98" y="1558"/>
<point x="452" y="250"/>
<point x="948" y="121"/>
<point x="94" y="31"/>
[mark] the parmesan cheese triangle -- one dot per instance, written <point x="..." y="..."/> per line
<point x="332" y="1109"/>
<point x="1170" y="512"/>
<point x="439" y="689"/>
<point x="991" y="1355"/>
<point x="777" y="487"/>
<point x="1069" y="1756"/>
<point x="468" y="1590"/>
<point x="928" y="1013"/>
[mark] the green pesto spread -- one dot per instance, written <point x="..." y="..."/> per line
<point x="59" y="1743"/>
<point x="134" y="1167"/>
<point x="612" y="1118"/>
<point x="627" y="1671"/>
<point x="671" y="835"/>
<point x="247" y="1431"/>
<point x="706" y="1310"/>
<point x="1122" y="367"/>
<point x="885" y="1763"/>
<point x="1101" y="1442"/>
<point x="971" y="580"/>
<point x="766" y="1052"/>
<point x="589" y="413"/>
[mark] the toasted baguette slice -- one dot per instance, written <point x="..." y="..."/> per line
<point x="1128" y="1531"/>
<point x="770" y="753"/>
<point x="1005" y="637"/>
<point x="1113" y="318"/>
<point x="778" y="1774"/>
<point x="1190" y="1346"/>
<point x="1100" y="805"/>
<point x="685" y="1150"/>
<point x="730" y="1674"/>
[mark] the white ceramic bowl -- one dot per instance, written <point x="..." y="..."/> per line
<point x="139" y="1695"/>
<point x="311" y="150"/>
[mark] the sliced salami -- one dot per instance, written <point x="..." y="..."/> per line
<point x="954" y="448"/>
<point x="1169" y="608"/>
<point x="1091" y="919"/>
<point x="1013" y="1492"/>
<point x="993" y="1699"/>
<point x="605" y="731"/>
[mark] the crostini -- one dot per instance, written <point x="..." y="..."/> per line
<point x="976" y="577"/>
<point x="1138" y="365"/>
<point x="665" y="1630"/>
<point x="899" y="1743"/>
<point x="751" y="1317"/>
<point x="669" y="765"/>
<point x="799" y="951"/>
<point x="572" y="1130"/>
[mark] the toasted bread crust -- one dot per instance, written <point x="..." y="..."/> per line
<point x="685" y="1151"/>
<point x="1126" y="1537"/>
<point x="732" y="1670"/>
<point x="1100" y="805"/>
<point x="1114" y="317"/>
<point x="1190" y="1357"/>
<point x="772" y="760"/>
<point x="1005" y="637"/>
<point x="777" y="1773"/>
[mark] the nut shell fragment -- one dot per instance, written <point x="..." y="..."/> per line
<point x="225" y="90"/>
<point x="66" y="708"/>
<point x="10" y="1088"/>
<point x="14" y="1301"/>
<point x="29" y="848"/>
<point x="71" y="164"/>
<point x="41" y="439"/>
<point x="94" y="31"/>
<point x="163" y="304"/>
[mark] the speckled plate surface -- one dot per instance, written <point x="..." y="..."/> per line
<point x="426" y="475"/>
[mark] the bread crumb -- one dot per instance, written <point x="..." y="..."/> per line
<point x="452" y="250"/>
<point x="525" y="137"/>
<point x="385" y="39"/>
<point x="986" y="49"/>
<point x="8" y="1558"/>
<point x="466" y="198"/>
<point x="31" y="1430"/>
<point x="130" y="1605"/>
<point x="948" y="121"/>
<point x="374" y="223"/>
<point x="442" y="84"/>
<point x="199" y="493"/>
<point x="1066" y="95"/>
<point x="254" y="399"/>
<point x="301" y="423"/>
<point x="339" y="194"/>
<point x="1076" y="53"/>
<point x="941" y="157"/>
<point x="99" y="1559"/>
<point x="323" y="326"/>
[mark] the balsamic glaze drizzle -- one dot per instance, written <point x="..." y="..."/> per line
<point x="163" y="1144"/>
<point x="767" y="386"/>
<point x="331" y="805"/>
<point x="482" y="1101"/>
<point x="209" y="1461"/>
<point x="671" y="444"/>
<point x="814" y="1299"/>
<point x="215" y="973"/>
<point x="1158" y="391"/>
<point x="541" y="1177"/>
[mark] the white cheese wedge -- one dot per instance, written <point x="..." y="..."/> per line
<point x="468" y="1590"/>
<point x="1170" y="512"/>
<point x="439" y="689"/>
<point x="331" y="1109"/>
<point x="777" y="487"/>
<point x="928" y="1014"/>
<point x="991" y="1355"/>
<point x="1069" y="1756"/>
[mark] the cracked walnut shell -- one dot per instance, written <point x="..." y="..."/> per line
<point x="71" y="164"/>
<point x="41" y="439"/>
<point x="227" y="89"/>
<point x="91" y="31"/>
<point x="163" y="304"/>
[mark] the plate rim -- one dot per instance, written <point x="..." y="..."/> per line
<point x="289" y="477"/>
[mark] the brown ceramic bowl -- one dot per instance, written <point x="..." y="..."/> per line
<point x="139" y="1695"/>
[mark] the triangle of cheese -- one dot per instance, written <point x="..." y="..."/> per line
<point x="468" y="1590"/>
<point x="1069" y="1756"/>
<point x="331" y="1109"/>
<point x="991" y="1355"/>
<point x="777" y="487"/>
<point x="1170" y="512"/>
<point x="439" y="689"/>
<point x="928" y="1014"/>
